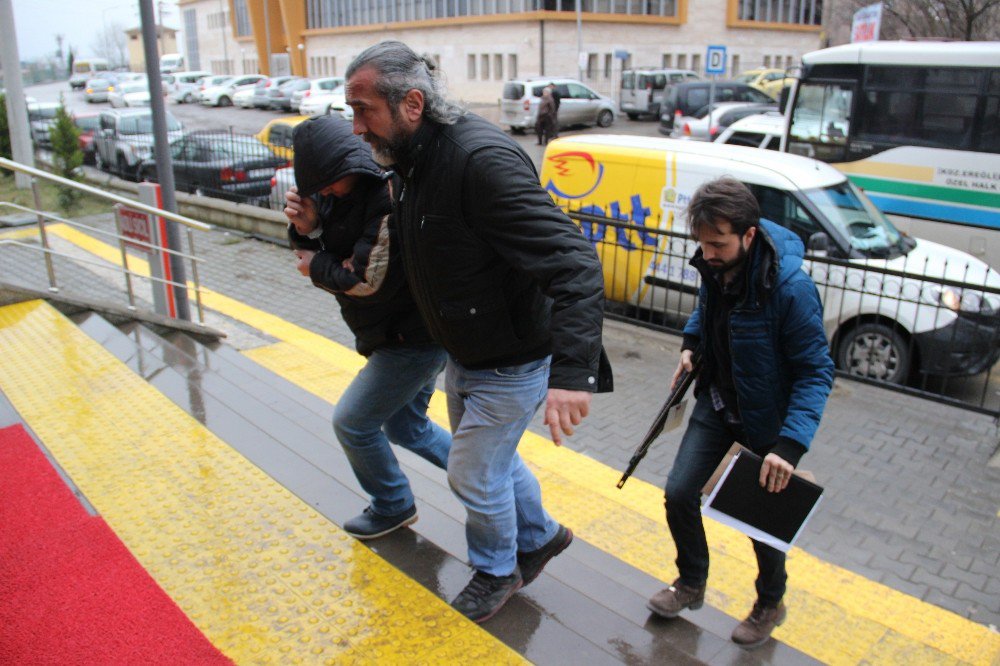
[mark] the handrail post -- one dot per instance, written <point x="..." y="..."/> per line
<point x="194" y="277"/>
<point x="49" y="266"/>
<point x="121" y="246"/>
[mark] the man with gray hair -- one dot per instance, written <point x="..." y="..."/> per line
<point x="511" y="289"/>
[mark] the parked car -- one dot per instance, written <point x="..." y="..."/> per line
<point x="243" y="98"/>
<point x="333" y="102"/>
<point x="125" y="138"/>
<point x="130" y="93"/>
<point x="277" y="135"/>
<point x="260" y="98"/>
<point x="642" y="90"/>
<point x="280" y="97"/>
<point x="185" y="88"/>
<point x="85" y="69"/>
<point x="686" y="98"/>
<point x="282" y="181"/>
<point x="87" y="123"/>
<point x="222" y="94"/>
<point x="709" y="121"/>
<point x="768" y="81"/>
<point x="210" y="82"/>
<point x="41" y="118"/>
<point x="758" y="131"/>
<point x="236" y="167"/>
<point x="96" y="90"/>
<point x="579" y="105"/>
<point x="316" y="87"/>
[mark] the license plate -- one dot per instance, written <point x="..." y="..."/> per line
<point x="260" y="173"/>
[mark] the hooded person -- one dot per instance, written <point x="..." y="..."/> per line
<point x="339" y="214"/>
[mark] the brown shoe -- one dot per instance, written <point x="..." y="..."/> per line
<point x="757" y="628"/>
<point x="671" y="601"/>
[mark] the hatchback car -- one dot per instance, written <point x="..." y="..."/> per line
<point x="41" y="119"/>
<point x="330" y="103"/>
<point x="579" y="105"/>
<point x="260" y="98"/>
<point x="280" y="97"/>
<point x="185" y="89"/>
<point x="708" y="122"/>
<point x="277" y="135"/>
<point x="222" y="94"/>
<point x="130" y="93"/>
<point x="768" y="81"/>
<point x="316" y="87"/>
<point x="96" y="90"/>
<point x="236" y="167"/>
<point x="686" y="98"/>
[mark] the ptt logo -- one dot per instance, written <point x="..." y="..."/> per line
<point x="574" y="174"/>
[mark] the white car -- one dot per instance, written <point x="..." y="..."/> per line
<point x="130" y="93"/>
<point x="697" y="127"/>
<point x="185" y="88"/>
<point x="282" y="181"/>
<point x="243" y="97"/>
<point x="333" y="102"/>
<point x="316" y="87"/>
<point x="222" y="94"/>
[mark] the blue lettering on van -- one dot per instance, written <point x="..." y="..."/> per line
<point x="596" y="232"/>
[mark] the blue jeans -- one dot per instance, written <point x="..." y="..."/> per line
<point x="387" y="402"/>
<point x="705" y="442"/>
<point x="489" y="411"/>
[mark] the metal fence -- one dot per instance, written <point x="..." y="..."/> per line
<point x="931" y="330"/>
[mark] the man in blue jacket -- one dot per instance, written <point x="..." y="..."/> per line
<point x="766" y="374"/>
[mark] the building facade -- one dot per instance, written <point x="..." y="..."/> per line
<point x="480" y="43"/>
<point x="166" y="42"/>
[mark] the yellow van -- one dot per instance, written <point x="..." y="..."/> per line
<point x="647" y="184"/>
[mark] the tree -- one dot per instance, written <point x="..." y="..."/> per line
<point x="109" y="43"/>
<point x="67" y="157"/>
<point x="6" y="150"/>
<point x="965" y="20"/>
<point x="69" y="61"/>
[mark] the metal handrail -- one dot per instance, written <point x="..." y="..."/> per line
<point x="151" y="210"/>
<point x="48" y="252"/>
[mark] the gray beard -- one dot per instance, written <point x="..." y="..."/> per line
<point x="388" y="152"/>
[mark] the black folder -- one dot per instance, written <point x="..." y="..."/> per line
<point x="739" y="500"/>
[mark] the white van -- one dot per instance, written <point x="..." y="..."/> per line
<point x="880" y="326"/>
<point x="642" y="90"/>
<point x="85" y="69"/>
<point x="171" y="62"/>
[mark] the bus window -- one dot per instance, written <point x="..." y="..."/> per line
<point x="821" y="121"/>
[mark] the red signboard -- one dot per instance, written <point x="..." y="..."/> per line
<point x="137" y="227"/>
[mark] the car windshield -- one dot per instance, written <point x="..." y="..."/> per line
<point x="87" y="123"/>
<point x="857" y="218"/>
<point x="144" y="124"/>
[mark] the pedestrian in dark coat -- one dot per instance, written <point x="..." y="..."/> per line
<point x="545" y="124"/>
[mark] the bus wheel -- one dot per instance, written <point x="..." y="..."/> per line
<point x="875" y="351"/>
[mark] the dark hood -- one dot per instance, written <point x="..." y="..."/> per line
<point x="326" y="150"/>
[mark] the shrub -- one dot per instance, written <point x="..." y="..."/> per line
<point x="67" y="157"/>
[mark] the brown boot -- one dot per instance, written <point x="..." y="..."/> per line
<point x="671" y="601"/>
<point x="757" y="628"/>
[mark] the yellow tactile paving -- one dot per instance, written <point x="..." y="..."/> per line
<point x="266" y="578"/>
<point x="839" y="617"/>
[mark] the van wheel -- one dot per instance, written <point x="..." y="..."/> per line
<point x="605" y="118"/>
<point x="633" y="116"/>
<point x="875" y="351"/>
<point x="517" y="130"/>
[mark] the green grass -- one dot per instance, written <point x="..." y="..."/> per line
<point x="88" y="204"/>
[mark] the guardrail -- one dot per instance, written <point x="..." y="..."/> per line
<point x="48" y="253"/>
<point x="926" y="329"/>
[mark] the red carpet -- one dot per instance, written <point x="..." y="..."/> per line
<point x="70" y="592"/>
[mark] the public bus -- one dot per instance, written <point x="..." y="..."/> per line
<point x="915" y="124"/>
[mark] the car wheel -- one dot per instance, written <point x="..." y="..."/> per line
<point x="875" y="351"/>
<point x="605" y="118"/>
<point x="517" y="130"/>
<point x="123" y="170"/>
<point x="225" y="101"/>
<point x="633" y="116"/>
<point x="188" y="98"/>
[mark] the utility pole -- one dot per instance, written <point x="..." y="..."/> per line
<point x="267" y="41"/>
<point x="225" y="49"/>
<point x="17" y="111"/>
<point x="161" y="146"/>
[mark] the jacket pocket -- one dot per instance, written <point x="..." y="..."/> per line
<point x="478" y="328"/>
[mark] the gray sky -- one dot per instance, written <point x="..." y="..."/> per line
<point x="39" y="21"/>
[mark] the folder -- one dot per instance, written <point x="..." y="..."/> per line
<point x="736" y="498"/>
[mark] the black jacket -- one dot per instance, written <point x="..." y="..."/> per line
<point x="500" y="274"/>
<point x="373" y="297"/>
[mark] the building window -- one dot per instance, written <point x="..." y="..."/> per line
<point x="242" y="18"/>
<point x="471" y="73"/>
<point x="696" y="62"/>
<point x="191" y="38"/>
<point x="798" y="12"/>
<point x="682" y="61"/>
<point x="484" y="67"/>
<point x="218" y="20"/>
<point x="609" y="60"/>
<point x="512" y="65"/>
<point x="498" y="66"/>
<point x="736" y="65"/>
<point x="667" y="60"/>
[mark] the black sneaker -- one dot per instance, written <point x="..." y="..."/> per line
<point x="370" y="525"/>
<point x="486" y="594"/>
<point x="532" y="562"/>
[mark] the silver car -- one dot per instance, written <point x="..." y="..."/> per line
<point x="705" y="126"/>
<point x="579" y="105"/>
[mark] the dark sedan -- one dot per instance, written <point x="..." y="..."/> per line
<point x="228" y="166"/>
